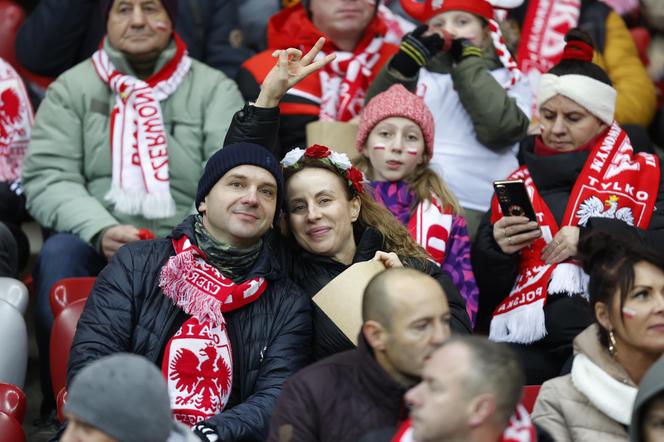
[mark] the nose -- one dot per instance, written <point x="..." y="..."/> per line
<point x="251" y="196"/>
<point x="440" y="334"/>
<point x="412" y="396"/>
<point x="313" y="214"/>
<point x="558" y="125"/>
<point x="396" y="145"/>
<point x="137" y="16"/>
<point x="659" y="306"/>
<point x="449" y="30"/>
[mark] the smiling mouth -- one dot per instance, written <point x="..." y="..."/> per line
<point x="246" y="215"/>
<point x="317" y="232"/>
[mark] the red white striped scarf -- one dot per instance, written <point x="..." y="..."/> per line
<point x="139" y="148"/>
<point x="15" y="123"/>
<point x="430" y="226"/>
<point x="345" y="81"/>
<point x="614" y="183"/>
<point x="543" y="38"/>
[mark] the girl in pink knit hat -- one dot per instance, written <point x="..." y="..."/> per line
<point x="395" y="140"/>
<point x="457" y="61"/>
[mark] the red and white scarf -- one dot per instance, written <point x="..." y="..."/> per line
<point x="614" y="183"/>
<point x="430" y="226"/>
<point x="15" y="123"/>
<point x="198" y="359"/>
<point x="543" y="37"/>
<point x="345" y="81"/>
<point x="519" y="429"/>
<point x="139" y="148"/>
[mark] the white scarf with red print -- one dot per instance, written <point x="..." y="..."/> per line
<point x="519" y="429"/>
<point x="198" y="359"/>
<point x="430" y="226"/>
<point x="15" y="123"/>
<point x="345" y="81"/>
<point x="543" y="37"/>
<point x="139" y="148"/>
<point x="614" y="183"/>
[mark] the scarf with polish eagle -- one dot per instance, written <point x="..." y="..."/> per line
<point x="139" y="148"/>
<point x="198" y="359"/>
<point x="519" y="429"/>
<point x="345" y="81"/>
<point x="15" y="123"/>
<point x="543" y="38"/>
<point x="614" y="183"/>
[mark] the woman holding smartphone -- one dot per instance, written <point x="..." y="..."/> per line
<point x="581" y="174"/>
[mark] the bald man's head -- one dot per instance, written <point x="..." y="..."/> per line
<point x="406" y="318"/>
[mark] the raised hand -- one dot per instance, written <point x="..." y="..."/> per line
<point x="290" y="69"/>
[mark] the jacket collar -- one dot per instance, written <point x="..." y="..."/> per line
<point x="555" y="172"/>
<point x="271" y="260"/>
<point x="122" y="64"/>
<point x="377" y="382"/>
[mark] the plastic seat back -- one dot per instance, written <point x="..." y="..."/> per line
<point x="68" y="290"/>
<point x="62" y="336"/>
<point x="12" y="401"/>
<point x="15" y="293"/>
<point x="60" y="402"/>
<point x="10" y="429"/>
<point x="530" y="393"/>
<point x="13" y="345"/>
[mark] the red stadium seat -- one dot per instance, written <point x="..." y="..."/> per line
<point x="10" y="429"/>
<point x="11" y="17"/>
<point x="12" y="401"/>
<point x="62" y="335"/>
<point x="530" y="393"/>
<point x="60" y="403"/>
<point x="68" y="290"/>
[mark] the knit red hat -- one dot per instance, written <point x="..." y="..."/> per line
<point x="397" y="101"/>
<point x="426" y="10"/>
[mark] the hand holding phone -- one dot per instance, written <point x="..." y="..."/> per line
<point x="513" y="199"/>
<point x="518" y="227"/>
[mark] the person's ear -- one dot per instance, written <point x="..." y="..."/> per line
<point x="481" y="409"/>
<point x="355" y="206"/>
<point x="375" y="334"/>
<point x="603" y="316"/>
<point x="202" y="206"/>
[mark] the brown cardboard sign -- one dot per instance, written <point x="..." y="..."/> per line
<point x="341" y="298"/>
<point x="338" y="136"/>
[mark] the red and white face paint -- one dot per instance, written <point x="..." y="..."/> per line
<point x="395" y="147"/>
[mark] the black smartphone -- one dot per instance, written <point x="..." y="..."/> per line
<point x="513" y="199"/>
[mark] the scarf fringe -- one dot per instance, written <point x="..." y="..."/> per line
<point x="195" y="302"/>
<point x="524" y="325"/>
<point x="150" y="206"/>
<point x="570" y="279"/>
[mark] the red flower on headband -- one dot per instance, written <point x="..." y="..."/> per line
<point x="317" y="151"/>
<point x="355" y="177"/>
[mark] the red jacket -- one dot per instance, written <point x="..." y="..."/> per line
<point x="292" y="28"/>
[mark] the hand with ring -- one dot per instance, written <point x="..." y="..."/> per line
<point x="513" y="233"/>
<point x="563" y="246"/>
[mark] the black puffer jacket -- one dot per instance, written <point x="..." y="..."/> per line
<point x="271" y="337"/>
<point x="313" y="272"/>
<point x="496" y="272"/>
<point x="347" y="397"/>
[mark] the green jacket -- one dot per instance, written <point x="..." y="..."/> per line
<point x="496" y="117"/>
<point x="67" y="169"/>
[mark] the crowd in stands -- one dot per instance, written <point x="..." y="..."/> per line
<point x="224" y="168"/>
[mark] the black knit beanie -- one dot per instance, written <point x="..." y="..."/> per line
<point x="239" y="154"/>
<point x="171" y="7"/>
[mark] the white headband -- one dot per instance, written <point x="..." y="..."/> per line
<point x="599" y="98"/>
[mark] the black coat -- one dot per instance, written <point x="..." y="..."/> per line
<point x="346" y="397"/>
<point x="496" y="272"/>
<point x="271" y="337"/>
<point x="313" y="272"/>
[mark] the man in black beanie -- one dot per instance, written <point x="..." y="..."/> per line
<point x="209" y="305"/>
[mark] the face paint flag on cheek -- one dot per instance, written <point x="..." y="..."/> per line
<point x="160" y="25"/>
<point x="411" y="151"/>
<point x="628" y="312"/>
<point x="379" y="147"/>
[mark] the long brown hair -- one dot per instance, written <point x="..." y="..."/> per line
<point x="396" y="236"/>
<point x="423" y="181"/>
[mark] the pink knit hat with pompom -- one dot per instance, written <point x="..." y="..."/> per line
<point x="397" y="101"/>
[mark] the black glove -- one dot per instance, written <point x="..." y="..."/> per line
<point x="415" y="51"/>
<point x="205" y="432"/>
<point x="462" y="48"/>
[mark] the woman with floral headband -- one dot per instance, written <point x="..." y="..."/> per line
<point x="335" y="223"/>
<point x="332" y="218"/>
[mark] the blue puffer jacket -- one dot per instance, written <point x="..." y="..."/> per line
<point x="271" y="337"/>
